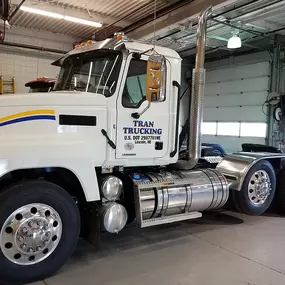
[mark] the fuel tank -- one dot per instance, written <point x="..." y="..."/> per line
<point x="178" y="195"/>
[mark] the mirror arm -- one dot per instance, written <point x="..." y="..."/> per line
<point x="137" y="115"/>
<point x="137" y="55"/>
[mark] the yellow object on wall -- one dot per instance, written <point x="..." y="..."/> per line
<point x="7" y="86"/>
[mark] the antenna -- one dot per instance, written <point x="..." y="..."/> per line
<point x="154" y="20"/>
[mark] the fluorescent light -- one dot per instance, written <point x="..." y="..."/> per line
<point x="234" y="42"/>
<point x="83" y="22"/>
<point x="41" y="12"/>
<point x="61" y="17"/>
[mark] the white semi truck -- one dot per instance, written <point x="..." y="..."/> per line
<point x="102" y="150"/>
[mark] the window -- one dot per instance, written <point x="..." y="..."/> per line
<point x="95" y="72"/>
<point x="257" y="130"/>
<point x="235" y="129"/>
<point x="209" y="128"/>
<point x="135" y="87"/>
<point x="228" y="129"/>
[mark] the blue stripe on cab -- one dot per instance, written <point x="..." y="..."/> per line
<point x="29" y="118"/>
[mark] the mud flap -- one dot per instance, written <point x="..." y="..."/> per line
<point x="91" y="225"/>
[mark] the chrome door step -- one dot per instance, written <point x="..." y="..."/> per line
<point x="169" y="219"/>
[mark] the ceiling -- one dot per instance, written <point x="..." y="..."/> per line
<point x="254" y="20"/>
<point x="113" y="14"/>
<point x="175" y="24"/>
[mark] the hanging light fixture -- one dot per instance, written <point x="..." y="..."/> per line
<point x="234" y="42"/>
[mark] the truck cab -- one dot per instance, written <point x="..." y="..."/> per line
<point x="143" y="133"/>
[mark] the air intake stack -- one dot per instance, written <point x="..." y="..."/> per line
<point x="197" y="99"/>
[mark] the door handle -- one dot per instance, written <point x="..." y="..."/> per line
<point x="137" y="115"/>
<point x="109" y="141"/>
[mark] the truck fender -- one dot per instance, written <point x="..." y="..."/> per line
<point x="84" y="171"/>
<point x="236" y="166"/>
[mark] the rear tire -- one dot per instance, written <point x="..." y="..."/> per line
<point x="39" y="229"/>
<point x="257" y="191"/>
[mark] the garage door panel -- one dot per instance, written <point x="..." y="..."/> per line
<point x="252" y="114"/>
<point x="232" y="100"/>
<point x="222" y="114"/>
<point x="238" y="72"/>
<point x="234" y="114"/>
<point x="237" y="87"/>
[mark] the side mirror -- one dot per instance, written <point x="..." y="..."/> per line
<point x="155" y="78"/>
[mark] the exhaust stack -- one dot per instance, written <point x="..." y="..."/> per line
<point x="197" y="97"/>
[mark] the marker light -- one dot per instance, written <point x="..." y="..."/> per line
<point x="119" y="36"/>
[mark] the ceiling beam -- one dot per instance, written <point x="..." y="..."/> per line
<point x="159" y="13"/>
<point x="178" y="16"/>
<point x="259" y="35"/>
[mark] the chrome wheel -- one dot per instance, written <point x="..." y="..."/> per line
<point x="259" y="187"/>
<point x="30" y="234"/>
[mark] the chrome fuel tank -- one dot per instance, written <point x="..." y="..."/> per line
<point x="179" y="193"/>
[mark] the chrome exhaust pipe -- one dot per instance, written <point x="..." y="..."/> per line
<point x="197" y="97"/>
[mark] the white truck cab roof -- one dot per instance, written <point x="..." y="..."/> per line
<point x="117" y="44"/>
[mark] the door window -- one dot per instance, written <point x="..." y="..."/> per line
<point x="134" y="93"/>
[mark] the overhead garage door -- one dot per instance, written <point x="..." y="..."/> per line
<point x="233" y="108"/>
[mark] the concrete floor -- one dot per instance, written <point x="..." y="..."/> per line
<point x="219" y="249"/>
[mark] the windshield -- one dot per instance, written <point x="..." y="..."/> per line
<point x="95" y="71"/>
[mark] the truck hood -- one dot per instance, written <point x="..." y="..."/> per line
<point x="58" y="98"/>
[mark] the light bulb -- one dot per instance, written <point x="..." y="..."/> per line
<point x="234" y="42"/>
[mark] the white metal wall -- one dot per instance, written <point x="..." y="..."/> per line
<point x="236" y="89"/>
<point x="26" y="65"/>
<point x="25" y="68"/>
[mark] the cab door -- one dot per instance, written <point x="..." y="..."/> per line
<point x="142" y="126"/>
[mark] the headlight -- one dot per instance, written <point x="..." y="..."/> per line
<point x="111" y="188"/>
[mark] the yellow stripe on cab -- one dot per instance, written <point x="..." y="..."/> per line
<point x="27" y="113"/>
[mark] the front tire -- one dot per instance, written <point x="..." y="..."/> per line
<point x="257" y="191"/>
<point x="39" y="229"/>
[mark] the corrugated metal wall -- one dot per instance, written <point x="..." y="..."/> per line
<point x="236" y="90"/>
